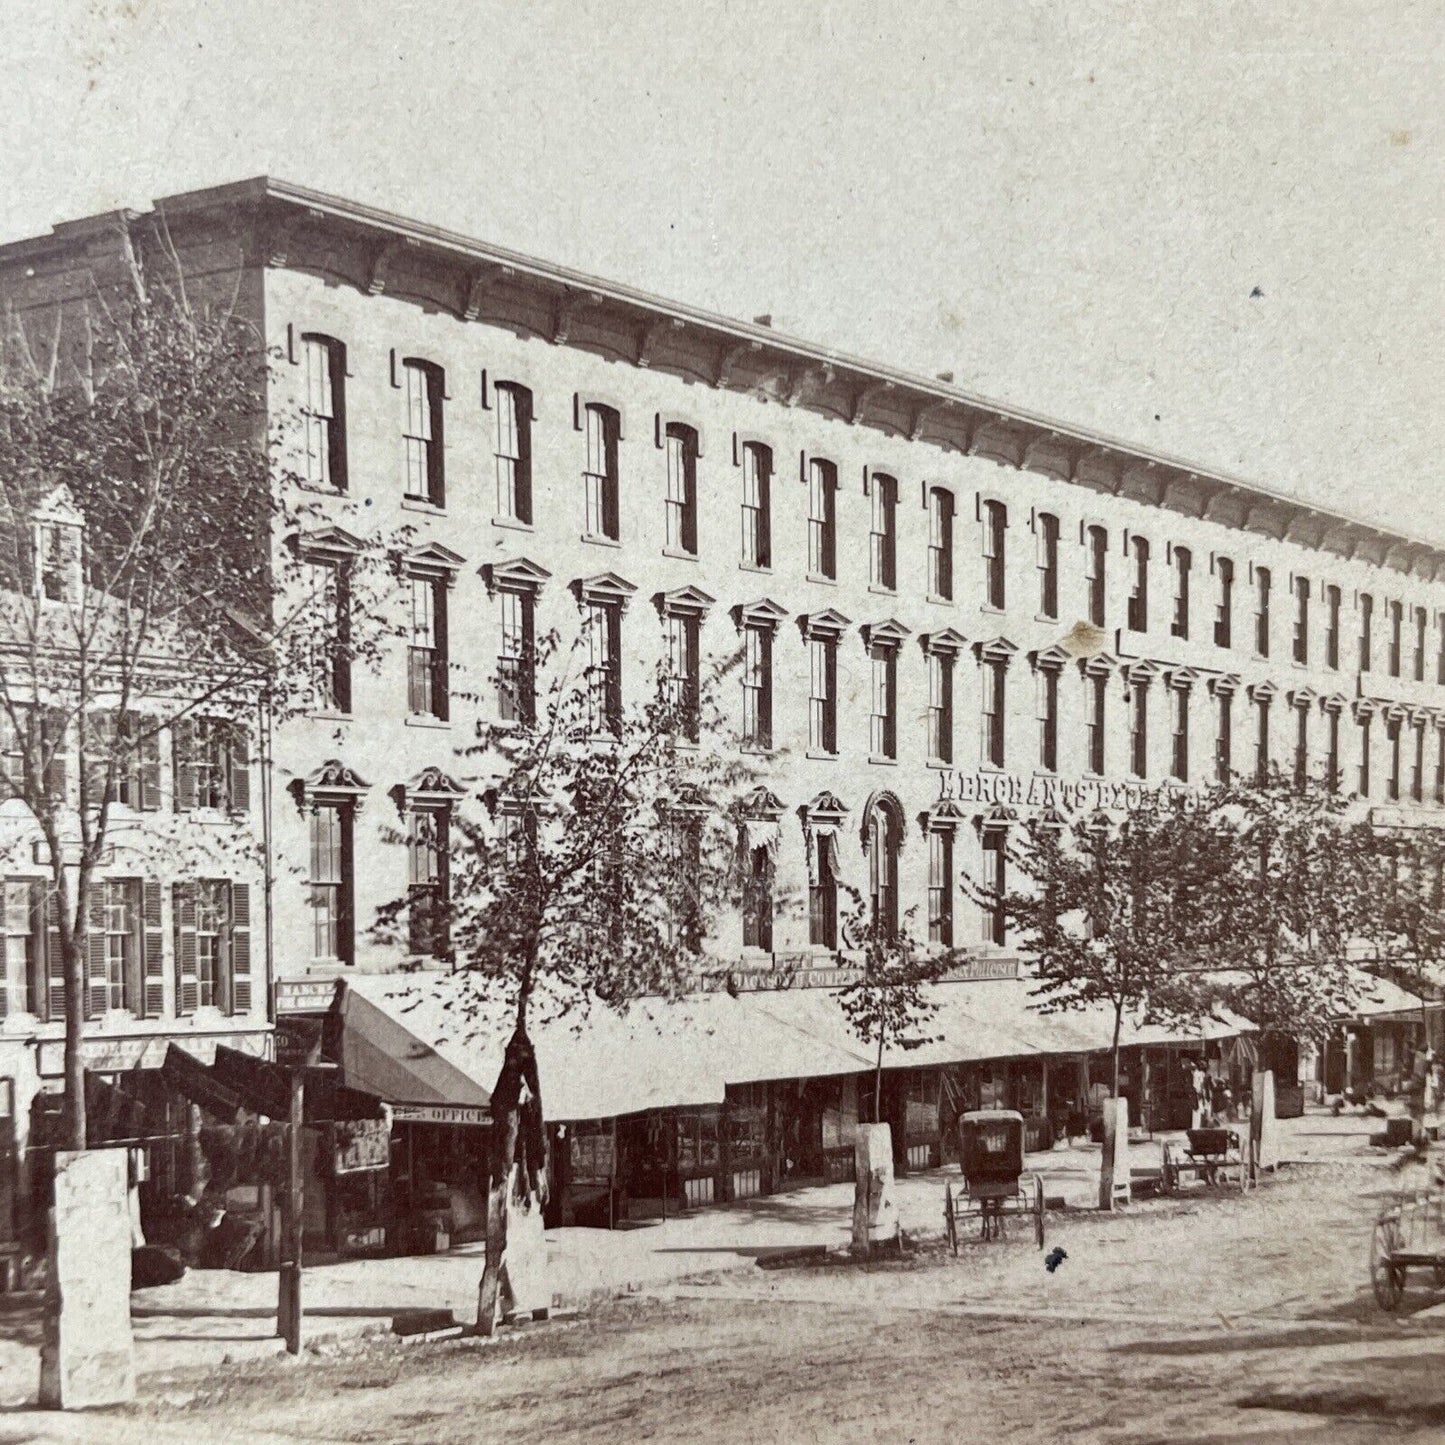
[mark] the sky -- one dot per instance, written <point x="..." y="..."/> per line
<point x="1211" y="229"/>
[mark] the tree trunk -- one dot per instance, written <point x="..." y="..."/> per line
<point x="73" y="948"/>
<point x="1114" y="1047"/>
<point x="517" y="1164"/>
<point x="878" y="1083"/>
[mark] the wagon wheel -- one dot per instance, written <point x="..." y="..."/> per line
<point x="950" y="1226"/>
<point x="1247" y="1175"/>
<point x="1038" y="1211"/>
<point x="1386" y="1277"/>
<point x="1170" y="1178"/>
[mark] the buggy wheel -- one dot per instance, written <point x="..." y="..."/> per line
<point x="950" y="1225"/>
<point x="1169" y="1179"/>
<point x="1038" y="1211"/>
<point x="1386" y="1277"/>
<point x="1247" y="1176"/>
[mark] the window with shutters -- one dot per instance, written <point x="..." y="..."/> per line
<point x="1301" y="638"/>
<point x="22" y="945"/>
<point x="1332" y="627"/>
<point x="991" y="718"/>
<point x="883" y="721"/>
<point x="212" y="924"/>
<point x="1224" y="603"/>
<point x="213" y="918"/>
<point x="823" y="519"/>
<point x="327" y="633"/>
<point x="516" y="660"/>
<point x="1138" y="612"/>
<point x="883" y="532"/>
<point x="681" y="516"/>
<point x="940" y="705"/>
<point x="323" y="412"/>
<point x="1367" y="629"/>
<point x="114" y="943"/>
<point x="758" y="900"/>
<point x="330" y="884"/>
<point x="424" y="384"/>
<point x="1096" y="556"/>
<point x="428" y="882"/>
<point x="1183" y="564"/>
<point x="1095" y="692"/>
<point x="1396" y="614"/>
<point x="600" y="480"/>
<point x="940" y="886"/>
<point x="513" y="405"/>
<point x="1262" y="584"/>
<point x="1046" y="527"/>
<point x="940" y="543"/>
<point x="684" y="682"/>
<point x="757" y="509"/>
<point x="212" y="765"/>
<point x="428" y="669"/>
<point x="995" y="570"/>
<point x="823" y="694"/>
<point x="12" y="752"/>
<point x="758" y="688"/>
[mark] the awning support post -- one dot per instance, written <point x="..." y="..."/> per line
<point x="288" y="1309"/>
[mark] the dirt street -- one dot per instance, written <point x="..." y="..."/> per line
<point x="1163" y="1324"/>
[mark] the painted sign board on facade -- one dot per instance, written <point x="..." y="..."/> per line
<point x="147" y="1051"/>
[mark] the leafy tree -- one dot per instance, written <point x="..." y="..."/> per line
<point x="143" y="490"/>
<point x="1404" y="915"/>
<point x="592" y="852"/>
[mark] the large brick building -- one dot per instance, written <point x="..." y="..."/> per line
<point x="950" y="612"/>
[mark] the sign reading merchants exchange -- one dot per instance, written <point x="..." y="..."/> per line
<point x="1067" y="795"/>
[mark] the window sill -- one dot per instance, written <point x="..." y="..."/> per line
<point x="599" y="541"/>
<point x="879" y="760"/>
<point x="939" y="600"/>
<point x="679" y="554"/>
<point x="317" y="490"/>
<point x="766" y="571"/>
<point x="821" y="579"/>
<point x="1047" y="617"/>
<point x="821" y="756"/>
<point x="758" y="750"/>
<point x="989" y="610"/>
<point x="513" y="524"/>
<point x="324" y="716"/>
<point x="940" y="763"/>
<point x="420" y="504"/>
<point x="419" y="720"/>
<point x="881" y="590"/>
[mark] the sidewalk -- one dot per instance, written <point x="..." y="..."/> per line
<point x="211" y="1316"/>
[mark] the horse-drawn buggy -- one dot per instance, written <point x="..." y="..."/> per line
<point x="991" y="1148"/>
<point x="1409" y="1234"/>
<point x="1217" y="1156"/>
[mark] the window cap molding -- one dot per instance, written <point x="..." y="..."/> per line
<point x="327" y="544"/>
<point x="1048" y="659"/>
<point x="826" y="808"/>
<point x="57" y="509"/>
<point x="434" y="560"/>
<point x="1144" y="671"/>
<point x="890" y="634"/>
<point x="683" y="602"/>
<point x="764" y="615"/>
<point x="742" y="440"/>
<point x="949" y="641"/>
<point x="998" y="649"/>
<point x="1334" y="702"/>
<point x="1302" y="697"/>
<point x="1101" y="664"/>
<point x="603" y="589"/>
<point x="762" y="803"/>
<point x="997" y="819"/>
<point x="662" y="420"/>
<point x="829" y="624"/>
<point x="432" y="784"/>
<point x="520" y="574"/>
<point x="1225" y="684"/>
<point x="943" y="815"/>
<point x="1262" y="691"/>
<point x="582" y="400"/>
<point x="1181" y="679"/>
<point x="332" y="783"/>
<point x="885" y="801"/>
<point x="1364" y="707"/>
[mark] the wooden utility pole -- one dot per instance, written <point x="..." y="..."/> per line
<point x="288" y="1311"/>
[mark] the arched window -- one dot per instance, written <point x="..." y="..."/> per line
<point x="884" y="836"/>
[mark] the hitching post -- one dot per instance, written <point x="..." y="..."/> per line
<point x="288" y="1312"/>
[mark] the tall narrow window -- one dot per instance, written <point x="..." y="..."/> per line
<point x="1047" y="682"/>
<point x="758" y="901"/>
<point x="940" y="886"/>
<point x="822" y="519"/>
<point x="1096" y="572"/>
<point x="883" y="532"/>
<point x="940" y="705"/>
<point x="1262" y="583"/>
<point x="604" y="666"/>
<point x="823" y="888"/>
<point x="686" y="921"/>
<point x="995" y="560"/>
<point x="1397" y="627"/>
<point x="683" y="672"/>
<point x="331" y="883"/>
<point x="424" y="383"/>
<point x="516" y="658"/>
<point x="600" y="480"/>
<point x="1224" y="736"/>
<point x="323" y="413"/>
<point x="1095" y="690"/>
<point x="1301" y="639"/>
<point x="428" y="681"/>
<point x="22" y="945"/>
<point x="993" y="672"/>
<point x="1224" y="603"/>
<point x="1392" y="739"/>
<point x="681" y="489"/>
<point x="1047" y="537"/>
<point x="1439" y="765"/>
<point x="1179" y="740"/>
<point x="428" y="853"/>
<point x="823" y="694"/>
<point x="1301" y="743"/>
<point x="1183" y="562"/>
<point x="514" y="452"/>
<point x="758" y="688"/>
<point x="327" y="634"/>
<point x="1261" y="738"/>
<point x="1139" y="591"/>
<point x="757" y="548"/>
<point x="1139" y="727"/>
<point x="995" y="886"/>
<point x="1421" y="622"/>
<point x="1367" y="629"/>
<point x="1332" y="748"/>
<point x="1364" y="718"/>
<point x="1332" y="627"/>
<point x="883" y="723"/>
<point x="212" y="766"/>
<point x="1417" y="766"/>
<point x="883" y="841"/>
<point x="940" y="543"/>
